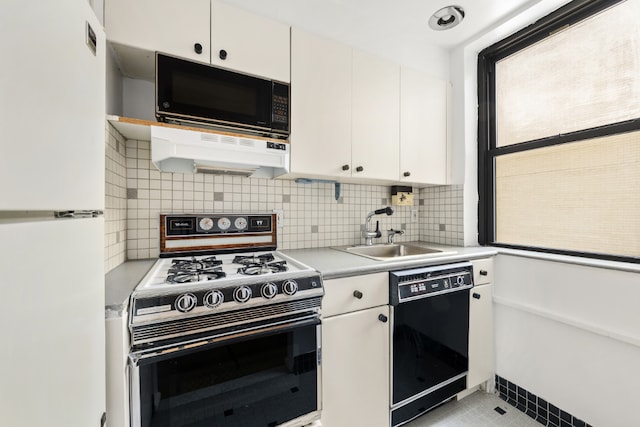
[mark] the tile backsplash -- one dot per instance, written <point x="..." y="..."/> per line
<point x="115" y="213"/>
<point x="311" y="215"/>
<point x="441" y="215"/>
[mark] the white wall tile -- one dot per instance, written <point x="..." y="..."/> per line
<point x="312" y="216"/>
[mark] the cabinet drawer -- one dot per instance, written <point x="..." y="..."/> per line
<point x="482" y="271"/>
<point x="349" y="294"/>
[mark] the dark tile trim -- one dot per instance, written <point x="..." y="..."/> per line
<point x="534" y="406"/>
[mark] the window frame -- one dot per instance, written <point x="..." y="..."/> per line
<point x="567" y="15"/>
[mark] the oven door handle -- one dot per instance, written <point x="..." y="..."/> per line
<point x="144" y="357"/>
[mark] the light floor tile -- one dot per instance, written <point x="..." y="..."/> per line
<point x="476" y="410"/>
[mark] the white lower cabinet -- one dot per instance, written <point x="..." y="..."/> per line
<point x="355" y="369"/>
<point x="481" y="343"/>
<point x="355" y="352"/>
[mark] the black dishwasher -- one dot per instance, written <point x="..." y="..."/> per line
<point x="429" y="355"/>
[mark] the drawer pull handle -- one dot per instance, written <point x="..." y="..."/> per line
<point x="383" y="318"/>
<point x="357" y="294"/>
<point x="476" y="295"/>
<point x="483" y="272"/>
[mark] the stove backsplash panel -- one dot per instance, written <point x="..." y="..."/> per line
<point x="312" y="216"/>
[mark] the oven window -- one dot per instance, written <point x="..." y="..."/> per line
<point x="209" y="94"/>
<point x="262" y="381"/>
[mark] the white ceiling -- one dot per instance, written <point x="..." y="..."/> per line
<point x="370" y="24"/>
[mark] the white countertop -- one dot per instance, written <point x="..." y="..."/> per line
<point x="333" y="263"/>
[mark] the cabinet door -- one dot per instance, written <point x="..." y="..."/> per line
<point x="376" y="117"/>
<point x="423" y="128"/>
<point x="167" y="26"/>
<point x="249" y="43"/>
<point x="355" y="369"/>
<point x="480" y="336"/>
<point x="52" y="108"/>
<point x="320" y="106"/>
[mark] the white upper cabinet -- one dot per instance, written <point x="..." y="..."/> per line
<point x="202" y="30"/>
<point x="423" y="128"/>
<point x="360" y="118"/>
<point x="344" y="111"/>
<point x="320" y="106"/>
<point x="375" y="117"/>
<point x="249" y="43"/>
<point x="52" y="113"/>
<point x="172" y="27"/>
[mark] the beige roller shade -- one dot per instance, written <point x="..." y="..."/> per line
<point x="584" y="76"/>
<point x="581" y="196"/>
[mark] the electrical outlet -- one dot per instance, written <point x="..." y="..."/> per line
<point x="414" y="215"/>
<point x="279" y="217"/>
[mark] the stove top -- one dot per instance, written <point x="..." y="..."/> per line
<point x="181" y="273"/>
<point x="218" y="270"/>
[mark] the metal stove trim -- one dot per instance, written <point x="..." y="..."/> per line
<point x="199" y="324"/>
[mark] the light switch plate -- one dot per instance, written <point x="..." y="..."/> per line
<point x="279" y="217"/>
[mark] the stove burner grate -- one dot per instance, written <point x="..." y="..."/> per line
<point x="194" y="270"/>
<point x="187" y="276"/>
<point x="194" y="264"/>
<point x="255" y="269"/>
<point x="253" y="259"/>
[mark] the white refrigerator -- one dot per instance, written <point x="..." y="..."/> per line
<point x="52" y="127"/>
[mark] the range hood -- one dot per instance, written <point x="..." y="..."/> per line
<point x="191" y="151"/>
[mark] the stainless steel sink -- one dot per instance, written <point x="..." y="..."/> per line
<point x="385" y="252"/>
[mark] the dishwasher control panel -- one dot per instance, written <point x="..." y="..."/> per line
<point x="423" y="282"/>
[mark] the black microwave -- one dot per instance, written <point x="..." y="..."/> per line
<point x="192" y="92"/>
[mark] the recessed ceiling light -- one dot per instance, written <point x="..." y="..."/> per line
<point x="447" y="17"/>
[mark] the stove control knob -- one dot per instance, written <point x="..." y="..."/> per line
<point x="242" y="294"/>
<point x="213" y="299"/>
<point x="269" y="290"/>
<point x="290" y="287"/>
<point x="186" y="302"/>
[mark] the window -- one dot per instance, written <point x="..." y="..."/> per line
<point x="559" y="134"/>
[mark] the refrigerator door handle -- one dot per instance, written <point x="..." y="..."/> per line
<point x="78" y="214"/>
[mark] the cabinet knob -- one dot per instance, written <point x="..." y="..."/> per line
<point x="357" y="294"/>
<point x="345" y="167"/>
<point x="222" y="54"/>
<point x="197" y="48"/>
<point x="407" y="174"/>
<point x="476" y="295"/>
<point x="359" y="169"/>
<point x="383" y="318"/>
<point x="483" y="272"/>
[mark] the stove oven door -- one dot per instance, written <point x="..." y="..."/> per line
<point x="266" y="378"/>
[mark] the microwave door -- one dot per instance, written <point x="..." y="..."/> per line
<point x="189" y="90"/>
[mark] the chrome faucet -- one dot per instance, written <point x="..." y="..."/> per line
<point x="392" y="233"/>
<point x="367" y="234"/>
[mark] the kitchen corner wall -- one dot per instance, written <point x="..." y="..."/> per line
<point x="137" y="191"/>
<point x="115" y="213"/>
<point x="441" y="215"/>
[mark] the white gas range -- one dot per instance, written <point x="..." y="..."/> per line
<point x="225" y="329"/>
